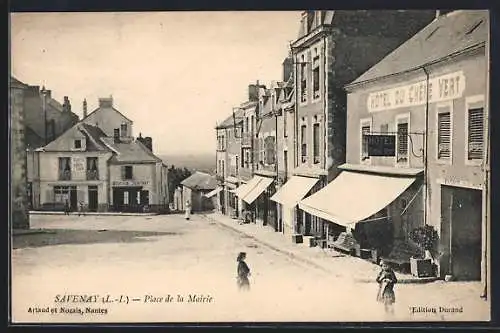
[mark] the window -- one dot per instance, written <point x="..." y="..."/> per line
<point x="127" y="172"/>
<point x="316" y="92"/>
<point x="251" y="124"/>
<point x="116" y="132"/>
<point x="125" y="198"/>
<point x="223" y="171"/>
<point x="365" y="130"/>
<point x="475" y="131"/>
<point x="61" y="194"/>
<point x="78" y="144"/>
<point x="444" y="136"/>
<point x="124" y="130"/>
<point x="316" y="143"/>
<point x="303" y="142"/>
<point x="270" y="151"/>
<point x="92" y="170"/>
<point x="237" y="164"/>
<point x="285" y="160"/>
<point x="246" y="125"/>
<point x="303" y="80"/>
<point x="64" y="168"/>
<point x="223" y="143"/>
<point x="402" y="143"/>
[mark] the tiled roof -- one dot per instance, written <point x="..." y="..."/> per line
<point x="448" y="34"/>
<point x="130" y="152"/>
<point x="200" y="181"/>
<point x="16" y="83"/>
<point x="96" y="134"/>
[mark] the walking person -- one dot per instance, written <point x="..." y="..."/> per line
<point x="386" y="280"/>
<point x="187" y="213"/>
<point x="66" y="207"/>
<point x="80" y="208"/>
<point x="243" y="272"/>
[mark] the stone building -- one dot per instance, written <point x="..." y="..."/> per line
<point x="431" y="94"/>
<point x="331" y="51"/>
<point x="196" y="188"/>
<point x="18" y="191"/>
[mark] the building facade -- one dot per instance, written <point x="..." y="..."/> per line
<point x="329" y="53"/>
<point x="18" y="164"/>
<point x="85" y="166"/>
<point x="435" y="104"/>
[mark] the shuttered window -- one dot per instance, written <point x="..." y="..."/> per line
<point x="303" y="142"/>
<point x="365" y="130"/>
<point x="444" y="135"/>
<point x="402" y="149"/>
<point x="269" y="146"/>
<point x="316" y="143"/>
<point x="475" y="138"/>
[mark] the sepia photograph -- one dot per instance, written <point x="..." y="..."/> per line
<point x="250" y="166"/>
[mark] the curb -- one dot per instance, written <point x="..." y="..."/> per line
<point x="93" y="214"/>
<point x="272" y="247"/>
<point x="309" y="262"/>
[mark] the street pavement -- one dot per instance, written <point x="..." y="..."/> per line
<point x="156" y="258"/>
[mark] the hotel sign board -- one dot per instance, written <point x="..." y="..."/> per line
<point x="441" y="88"/>
<point x="381" y="145"/>
<point x="129" y="183"/>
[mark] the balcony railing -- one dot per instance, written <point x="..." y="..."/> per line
<point x="92" y="175"/>
<point x="65" y="175"/>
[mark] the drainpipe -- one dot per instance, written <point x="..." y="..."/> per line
<point x="277" y="168"/>
<point x="425" y="138"/>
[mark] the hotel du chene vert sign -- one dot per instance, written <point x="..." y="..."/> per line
<point x="441" y="88"/>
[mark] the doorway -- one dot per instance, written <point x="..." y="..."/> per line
<point x="73" y="199"/>
<point x="93" y="198"/>
<point x="461" y="227"/>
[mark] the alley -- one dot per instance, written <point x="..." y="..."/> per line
<point x="151" y="257"/>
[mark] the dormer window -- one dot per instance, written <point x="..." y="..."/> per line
<point x="78" y="144"/>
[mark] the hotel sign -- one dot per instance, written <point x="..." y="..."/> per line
<point x="381" y="145"/>
<point x="130" y="182"/>
<point x="441" y="88"/>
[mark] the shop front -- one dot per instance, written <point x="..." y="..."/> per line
<point x="130" y="196"/>
<point x="256" y="199"/>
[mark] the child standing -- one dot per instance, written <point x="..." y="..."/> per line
<point x="243" y="272"/>
<point x="386" y="280"/>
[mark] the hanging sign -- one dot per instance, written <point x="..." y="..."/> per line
<point x="441" y="88"/>
<point x="381" y="145"/>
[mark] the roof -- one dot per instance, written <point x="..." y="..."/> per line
<point x="446" y="35"/>
<point x="15" y="83"/>
<point x="229" y="121"/>
<point x="110" y="108"/>
<point x="200" y="181"/>
<point x="130" y="152"/>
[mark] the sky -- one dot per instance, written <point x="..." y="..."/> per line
<point x="174" y="74"/>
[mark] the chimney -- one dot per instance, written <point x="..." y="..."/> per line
<point x="48" y="94"/>
<point x="84" y="107"/>
<point x="106" y="102"/>
<point x="66" y="104"/>
<point x="438" y="13"/>
<point x="146" y="141"/>
<point x="287" y="68"/>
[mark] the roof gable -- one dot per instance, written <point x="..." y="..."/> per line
<point x="105" y="109"/>
<point x="91" y="134"/>
<point x="447" y="35"/>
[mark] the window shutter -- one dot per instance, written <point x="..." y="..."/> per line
<point x="476" y="133"/>
<point x="444" y="135"/>
<point x="123" y="171"/>
<point x="402" y="142"/>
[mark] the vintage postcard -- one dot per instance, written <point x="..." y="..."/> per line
<point x="250" y="166"/>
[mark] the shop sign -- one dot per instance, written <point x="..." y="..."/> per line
<point x="381" y="145"/>
<point x="455" y="181"/>
<point x="78" y="164"/>
<point x="441" y="88"/>
<point x="130" y="183"/>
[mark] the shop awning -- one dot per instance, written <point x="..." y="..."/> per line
<point x="239" y="190"/>
<point x="244" y="189"/>
<point x="294" y="190"/>
<point x="354" y="196"/>
<point x="214" y="192"/>
<point x="255" y="191"/>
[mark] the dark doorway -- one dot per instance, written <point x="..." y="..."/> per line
<point x="93" y="198"/>
<point x="144" y="197"/>
<point x="126" y="199"/>
<point x="461" y="227"/>
<point x="73" y="199"/>
<point x="307" y="224"/>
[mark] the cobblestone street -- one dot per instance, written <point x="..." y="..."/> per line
<point x="139" y="256"/>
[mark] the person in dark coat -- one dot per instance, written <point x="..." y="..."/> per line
<point x="243" y="272"/>
<point x="386" y="280"/>
<point x="66" y="208"/>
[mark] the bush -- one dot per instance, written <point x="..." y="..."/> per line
<point x="426" y="237"/>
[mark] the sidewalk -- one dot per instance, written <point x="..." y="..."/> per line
<point x="37" y="212"/>
<point x="330" y="261"/>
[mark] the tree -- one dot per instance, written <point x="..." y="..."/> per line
<point x="175" y="177"/>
